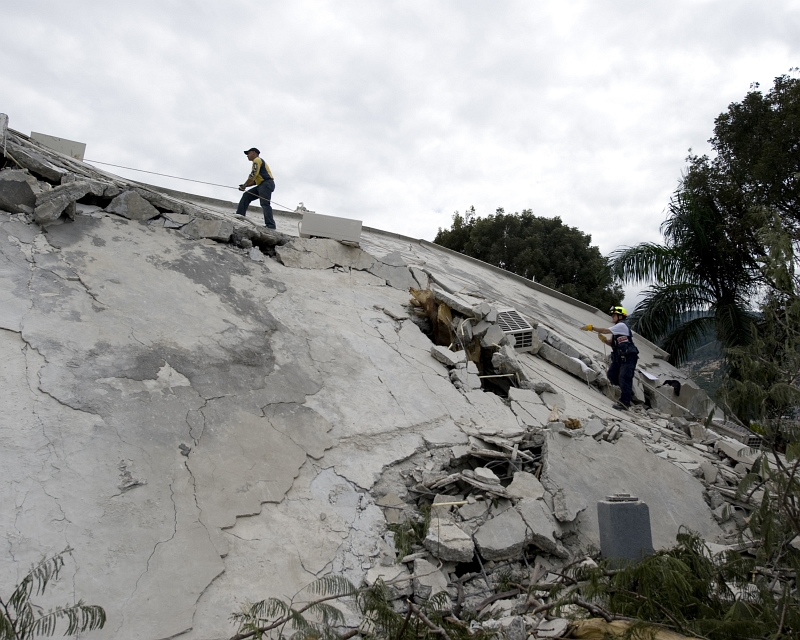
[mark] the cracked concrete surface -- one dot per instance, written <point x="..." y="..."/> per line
<point x="204" y="429"/>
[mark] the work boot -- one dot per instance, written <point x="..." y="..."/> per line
<point x="620" y="407"/>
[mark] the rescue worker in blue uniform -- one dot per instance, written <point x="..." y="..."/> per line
<point x="624" y="355"/>
<point x="263" y="184"/>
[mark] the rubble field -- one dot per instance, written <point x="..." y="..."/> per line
<point x="210" y="412"/>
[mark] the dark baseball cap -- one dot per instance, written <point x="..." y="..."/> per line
<point x="252" y="149"/>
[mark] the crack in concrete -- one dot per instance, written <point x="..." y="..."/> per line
<point x="152" y="553"/>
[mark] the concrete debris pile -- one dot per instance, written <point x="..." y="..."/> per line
<point x="47" y="186"/>
<point x="212" y="410"/>
<point x="324" y="253"/>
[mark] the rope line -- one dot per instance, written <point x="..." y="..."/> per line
<point x="166" y="175"/>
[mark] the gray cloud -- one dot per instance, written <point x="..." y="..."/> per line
<point x="400" y="113"/>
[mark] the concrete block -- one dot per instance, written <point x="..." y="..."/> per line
<point x="220" y="230"/>
<point x="568" y="364"/>
<point x="493" y="337"/>
<point x="447" y="357"/>
<point x="51" y="204"/>
<point x="315" y="224"/>
<point x="525" y="485"/>
<point x="18" y="191"/>
<point x="132" y="206"/>
<point x="428" y="579"/>
<point x="504" y="536"/>
<point x="567" y="505"/>
<point x="624" y="528"/>
<point x="542" y="528"/>
<point x="486" y="475"/>
<point x="447" y="541"/>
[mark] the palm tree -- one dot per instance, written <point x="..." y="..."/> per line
<point x="704" y="274"/>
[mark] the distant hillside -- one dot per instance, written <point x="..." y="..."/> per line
<point x="706" y="366"/>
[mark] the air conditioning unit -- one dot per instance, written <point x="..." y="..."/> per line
<point x="733" y="430"/>
<point x="512" y="323"/>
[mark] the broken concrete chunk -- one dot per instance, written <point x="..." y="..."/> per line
<point x="479" y="311"/>
<point x="567" y="505"/>
<point x="524" y="395"/>
<point x="394" y="576"/>
<point x="525" y="485"/>
<point x="541" y="526"/>
<point x="492" y="315"/>
<point x="256" y="255"/>
<point x="593" y="427"/>
<point x="220" y="230"/>
<point x="396" y="277"/>
<point x="447" y="357"/>
<point x="447" y="541"/>
<point x="179" y="219"/>
<point x="18" y="191"/>
<point x="464" y="380"/>
<point x="568" y="364"/>
<point x="51" y="204"/>
<point x="709" y="471"/>
<point x="554" y="628"/>
<point x="428" y="580"/>
<point x="36" y="163"/>
<point x="493" y="337"/>
<point x="486" y="475"/>
<point x="503" y="536"/>
<point x="474" y="510"/>
<point x="132" y="206"/>
<point x="480" y="329"/>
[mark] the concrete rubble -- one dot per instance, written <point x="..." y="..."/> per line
<point x="210" y="411"/>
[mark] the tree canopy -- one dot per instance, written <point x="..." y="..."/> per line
<point x="543" y="249"/>
<point x="709" y="267"/>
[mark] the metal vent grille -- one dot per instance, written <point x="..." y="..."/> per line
<point x="736" y="432"/>
<point x="511" y="322"/>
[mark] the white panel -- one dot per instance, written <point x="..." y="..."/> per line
<point x="315" y="224"/>
<point x="62" y="145"/>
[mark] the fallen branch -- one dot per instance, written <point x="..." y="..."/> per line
<point x="433" y="627"/>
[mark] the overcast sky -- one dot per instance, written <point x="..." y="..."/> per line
<point x="400" y="113"/>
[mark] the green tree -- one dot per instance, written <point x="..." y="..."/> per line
<point x="21" y="619"/>
<point x="706" y="274"/>
<point x="543" y="249"/>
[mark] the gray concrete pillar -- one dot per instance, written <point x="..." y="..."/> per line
<point x="624" y="527"/>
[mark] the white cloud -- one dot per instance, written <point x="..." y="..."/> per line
<point x="398" y="113"/>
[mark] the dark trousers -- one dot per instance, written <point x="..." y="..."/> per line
<point x="264" y="190"/>
<point x="621" y="375"/>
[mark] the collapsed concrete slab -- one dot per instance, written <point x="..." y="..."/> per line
<point x="51" y="204"/>
<point x="594" y="470"/>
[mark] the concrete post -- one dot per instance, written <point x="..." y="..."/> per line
<point x="3" y="132"/>
<point x="624" y="527"/>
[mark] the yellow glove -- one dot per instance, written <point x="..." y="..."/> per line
<point x="587" y="327"/>
<point x="602" y="338"/>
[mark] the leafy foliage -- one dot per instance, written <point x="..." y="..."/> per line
<point x="21" y="619"/>
<point x="692" y="591"/>
<point x="410" y="532"/>
<point x="378" y="618"/>
<point x="709" y="265"/>
<point x="543" y="249"/>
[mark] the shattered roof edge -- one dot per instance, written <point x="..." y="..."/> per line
<point x="425" y="243"/>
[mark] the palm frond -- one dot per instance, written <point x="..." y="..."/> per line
<point x="681" y="342"/>
<point x="660" y="311"/>
<point x="332" y="585"/>
<point x="647" y="262"/>
<point x="734" y="323"/>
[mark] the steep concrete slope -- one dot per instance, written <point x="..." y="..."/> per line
<point x="205" y="425"/>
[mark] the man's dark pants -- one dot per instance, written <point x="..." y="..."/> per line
<point x="264" y="190"/>
<point x="621" y="374"/>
